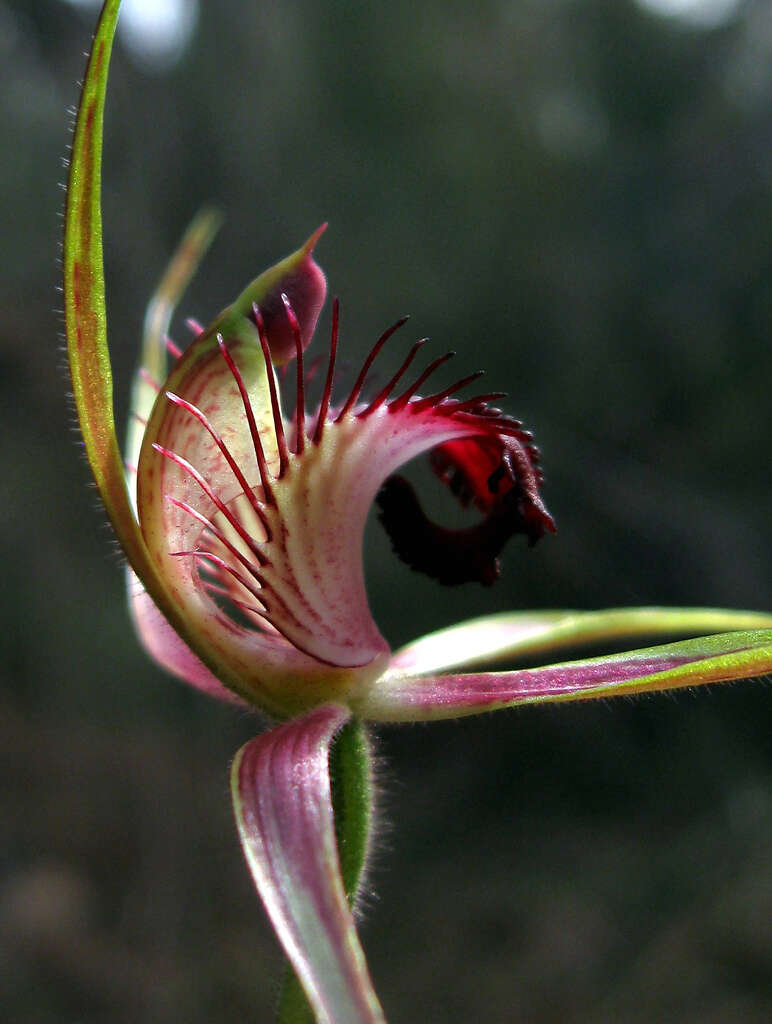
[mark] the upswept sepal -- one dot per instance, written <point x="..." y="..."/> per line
<point x="87" y="348"/>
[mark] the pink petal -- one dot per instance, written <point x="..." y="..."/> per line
<point x="151" y="371"/>
<point x="475" y="641"/>
<point x="512" y="634"/>
<point x="688" y="663"/>
<point x="165" y="646"/>
<point x="281" y="793"/>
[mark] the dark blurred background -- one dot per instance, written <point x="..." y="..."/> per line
<point x="575" y="195"/>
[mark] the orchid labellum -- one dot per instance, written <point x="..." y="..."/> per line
<point x="243" y="526"/>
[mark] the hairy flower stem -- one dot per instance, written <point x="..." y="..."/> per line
<point x="293" y="1005"/>
<point x="352" y="802"/>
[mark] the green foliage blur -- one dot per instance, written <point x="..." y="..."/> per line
<point x="574" y="194"/>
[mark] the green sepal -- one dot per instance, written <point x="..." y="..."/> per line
<point x="84" y="290"/>
<point x="86" y="331"/>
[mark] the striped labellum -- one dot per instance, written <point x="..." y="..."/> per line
<point x="256" y="518"/>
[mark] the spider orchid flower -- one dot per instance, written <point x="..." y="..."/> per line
<point x="243" y="529"/>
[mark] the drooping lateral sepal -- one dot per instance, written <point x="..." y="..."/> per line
<point x="352" y="804"/>
<point x="283" y="804"/>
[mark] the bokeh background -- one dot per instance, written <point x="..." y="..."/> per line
<point x="575" y="194"/>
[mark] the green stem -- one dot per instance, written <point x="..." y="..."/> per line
<point x="352" y="803"/>
<point x="293" y="1005"/>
